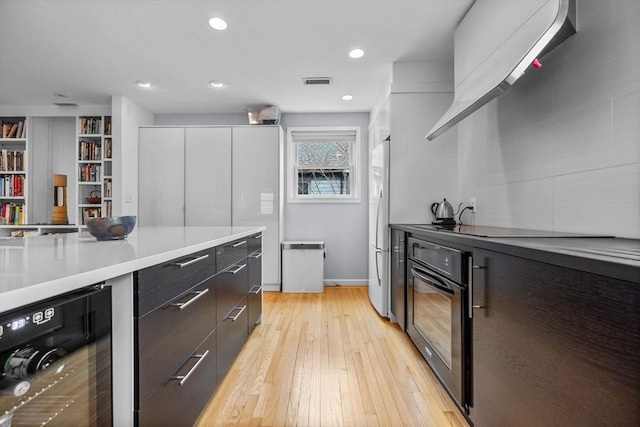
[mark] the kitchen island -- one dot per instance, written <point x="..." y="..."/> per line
<point x="41" y="267"/>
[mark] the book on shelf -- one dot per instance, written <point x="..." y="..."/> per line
<point x="108" y="185"/>
<point x="11" y="214"/>
<point x="90" y="173"/>
<point x="107" y="125"/>
<point x="89" y="150"/>
<point x="12" y="161"/>
<point x="108" y="147"/>
<point x="12" y="185"/>
<point x="90" y="125"/>
<point x="90" y="213"/>
<point x="20" y="129"/>
<point x="13" y="129"/>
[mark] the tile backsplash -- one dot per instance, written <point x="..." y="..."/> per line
<point x="561" y="150"/>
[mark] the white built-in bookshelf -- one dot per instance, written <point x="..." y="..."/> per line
<point x="13" y="170"/>
<point x="94" y="154"/>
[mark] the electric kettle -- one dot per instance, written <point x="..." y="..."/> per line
<point x="443" y="212"/>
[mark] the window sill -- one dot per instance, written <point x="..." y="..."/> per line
<point x="324" y="200"/>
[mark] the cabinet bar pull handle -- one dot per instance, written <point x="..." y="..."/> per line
<point x="183" y="305"/>
<point x="240" y="267"/>
<point x="234" y="318"/>
<point x="239" y="244"/>
<point x="426" y="349"/>
<point x="471" y="305"/>
<point x="193" y="261"/>
<point x="256" y="289"/>
<point x="256" y="255"/>
<point x="183" y="378"/>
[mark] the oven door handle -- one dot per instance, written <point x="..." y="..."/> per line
<point x="434" y="281"/>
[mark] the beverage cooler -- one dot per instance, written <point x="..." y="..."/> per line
<point x="55" y="361"/>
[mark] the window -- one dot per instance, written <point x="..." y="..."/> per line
<point x="323" y="164"/>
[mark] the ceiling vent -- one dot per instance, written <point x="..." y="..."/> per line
<point x="65" y="104"/>
<point x="317" y="80"/>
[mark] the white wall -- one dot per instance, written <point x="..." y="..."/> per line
<point x="561" y="150"/>
<point x="229" y="119"/>
<point x="421" y="172"/>
<point x="342" y="226"/>
<point x="127" y="117"/>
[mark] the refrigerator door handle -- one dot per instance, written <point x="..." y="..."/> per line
<point x="378" y="252"/>
<point x="378" y="218"/>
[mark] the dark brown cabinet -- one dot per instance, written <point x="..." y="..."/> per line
<point x="191" y="321"/>
<point x="553" y="346"/>
<point x="175" y="363"/>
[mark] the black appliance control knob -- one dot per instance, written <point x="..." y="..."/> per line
<point x="14" y="387"/>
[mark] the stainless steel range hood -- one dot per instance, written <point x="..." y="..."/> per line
<point x="495" y="43"/>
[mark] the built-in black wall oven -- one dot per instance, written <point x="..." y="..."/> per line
<point x="55" y="361"/>
<point x="437" y="315"/>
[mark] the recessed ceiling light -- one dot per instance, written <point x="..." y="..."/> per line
<point x="145" y="85"/>
<point x="218" y="24"/>
<point x="347" y="97"/>
<point x="216" y="83"/>
<point x="356" y="53"/>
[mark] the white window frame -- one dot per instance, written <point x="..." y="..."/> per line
<point x="292" y="171"/>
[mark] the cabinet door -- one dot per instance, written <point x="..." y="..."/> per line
<point x="207" y="190"/>
<point x="161" y="176"/>
<point x="231" y="334"/>
<point x="185" y="392"/>
<point x="257" y="189"/>
<point x="168" y="335"/>
<point x="553" y="346"/>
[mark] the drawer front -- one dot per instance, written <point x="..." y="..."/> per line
<point x="231" y="253"/>
<point x="231" y="287"/>
<point x="254" y="243"/>
<point x="255" y="288"/>
<point x="255" y="306"/>
<point x="168" y="335"/>
<point x="180" y="405"/>
<point x="158" y="284"/>
<point x="231" y="335"/>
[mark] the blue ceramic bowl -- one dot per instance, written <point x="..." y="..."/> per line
<point x="111" y="228"/>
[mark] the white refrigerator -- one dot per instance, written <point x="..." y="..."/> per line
<point x="378" y="223"/>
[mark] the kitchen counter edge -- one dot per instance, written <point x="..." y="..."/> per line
<point x="560" y="251"/>
<point x="163" y="244"/>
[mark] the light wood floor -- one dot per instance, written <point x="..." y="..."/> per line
<point x="329" y="360"/>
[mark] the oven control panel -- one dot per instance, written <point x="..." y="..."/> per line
<point x="18" y="329"/>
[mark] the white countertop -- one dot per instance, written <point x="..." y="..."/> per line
<point x="39" y="267"/>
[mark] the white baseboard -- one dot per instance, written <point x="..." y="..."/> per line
<point x="346" y="282"/>
<point x="275" y="287"/>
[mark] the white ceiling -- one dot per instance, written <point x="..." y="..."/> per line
<point x="90" y="50"/>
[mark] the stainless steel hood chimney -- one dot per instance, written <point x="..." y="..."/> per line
<point x="495" y="43"/>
